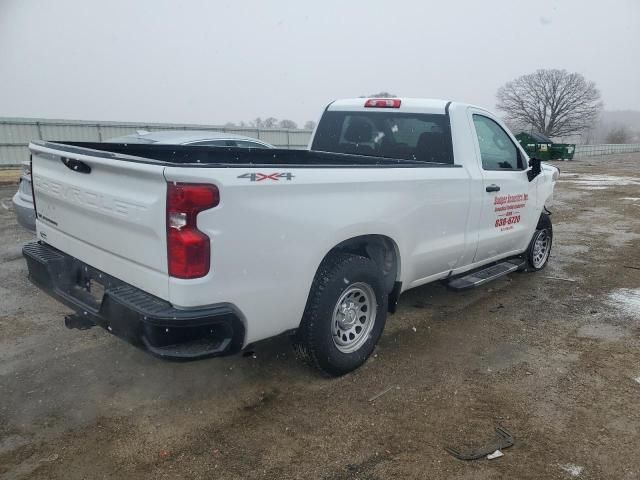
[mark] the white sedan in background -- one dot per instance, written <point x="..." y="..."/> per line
<point x="23" y="202"/>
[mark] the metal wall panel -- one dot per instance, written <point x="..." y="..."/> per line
<point x="75" y="133"/>
<point x="16" y="133"/>
<point x="111" y="131"/>
<point x="13" y="155"/>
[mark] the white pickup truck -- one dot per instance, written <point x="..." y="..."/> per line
<point x="192" y="251"/>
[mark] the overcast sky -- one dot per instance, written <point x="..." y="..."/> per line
<point x="200" y="61"/>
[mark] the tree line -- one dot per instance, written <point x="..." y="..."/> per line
<point x="271" y="122"/>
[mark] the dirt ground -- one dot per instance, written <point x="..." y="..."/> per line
<point x="551" y="356"/>
<point x="9" y="176"/>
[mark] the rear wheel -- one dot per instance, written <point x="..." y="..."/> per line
<point x="345" y="314"/>
<point x="540" y="246"/>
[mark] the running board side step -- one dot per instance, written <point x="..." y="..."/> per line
<point x="485" y="275"/>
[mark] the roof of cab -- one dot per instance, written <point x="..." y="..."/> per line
<point x="411" y="105"/>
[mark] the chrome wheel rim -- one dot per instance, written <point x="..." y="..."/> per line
<point x="353" y="317"/>
<point x="541" y="249"/>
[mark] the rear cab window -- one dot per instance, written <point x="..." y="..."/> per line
<point x="408" y="136"/>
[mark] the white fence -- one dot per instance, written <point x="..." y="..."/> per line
<point x="16" y="133"/>
<point x="605" y="149"/>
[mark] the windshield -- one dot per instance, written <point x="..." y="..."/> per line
<point x="409" y="136"/>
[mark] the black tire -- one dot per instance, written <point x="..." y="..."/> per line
<point x="544" y="232"/>
<point x="314" y="342"/>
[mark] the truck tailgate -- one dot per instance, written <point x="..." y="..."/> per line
<point x="107" y="213"/>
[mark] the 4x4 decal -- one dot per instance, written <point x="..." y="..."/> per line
<point x="259" y="177"/>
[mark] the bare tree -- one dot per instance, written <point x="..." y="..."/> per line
<point x="309" y="125"/>
<point x="270" y="123"/>
<point x="618" y="134"/>
<point x="288" y="124"/>
<point x="553" y="102"/>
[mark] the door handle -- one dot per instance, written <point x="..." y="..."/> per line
<point x="492" y="188"/>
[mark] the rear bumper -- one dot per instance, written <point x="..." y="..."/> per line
<point x="132" y="314"/>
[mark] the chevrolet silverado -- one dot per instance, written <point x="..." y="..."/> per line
<point x="196" y="251"/>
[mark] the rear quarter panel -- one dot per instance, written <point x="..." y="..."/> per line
<point x="269" y="236"/>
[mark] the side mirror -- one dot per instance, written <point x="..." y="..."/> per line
<point x="536" y="168"/>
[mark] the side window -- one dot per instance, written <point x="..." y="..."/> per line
<point x="497" y="151"/>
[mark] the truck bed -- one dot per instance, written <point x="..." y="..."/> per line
<point x="221" y="157"/>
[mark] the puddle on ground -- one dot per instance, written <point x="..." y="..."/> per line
<point x="566" y="255"/>
<point x="12" y="442"/>
<point x="567" y="197"/>
<point x="618" y="238"/>
<point x="570" y="232"/>
<point x="507" y="355"/>
<point x="615" y="231"/>
<point x="626" y="300"/>
<point x="572" y="251"/>
<point x="600" y="182"/>
<point x="601" y="331"/>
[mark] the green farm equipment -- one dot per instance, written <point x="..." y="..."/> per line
<point x="542" y="147"/>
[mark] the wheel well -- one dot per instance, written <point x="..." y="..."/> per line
<point x="379" y="248"/>
<point x="544" y="221"/>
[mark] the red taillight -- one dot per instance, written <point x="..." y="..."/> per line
<point x="188" y="249"/>
<point x="382" y="103"/>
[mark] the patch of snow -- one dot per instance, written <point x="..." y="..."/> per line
<point x="496" y="454"/>
<point x="632" y="199"/>
<point x="600" y="182"/>
<point x="626" y="300"/>
<point x="637" y="379"/>
<point x="573" y="470"/>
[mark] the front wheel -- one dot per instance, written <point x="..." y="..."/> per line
<point x="345" y="314"/>
<point x="540" y="246"/>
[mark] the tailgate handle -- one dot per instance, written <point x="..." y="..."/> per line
<point x="76" y="165"/>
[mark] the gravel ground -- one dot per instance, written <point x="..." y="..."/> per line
<point x="9" y="176"/>
<point x="551" y="356"/>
